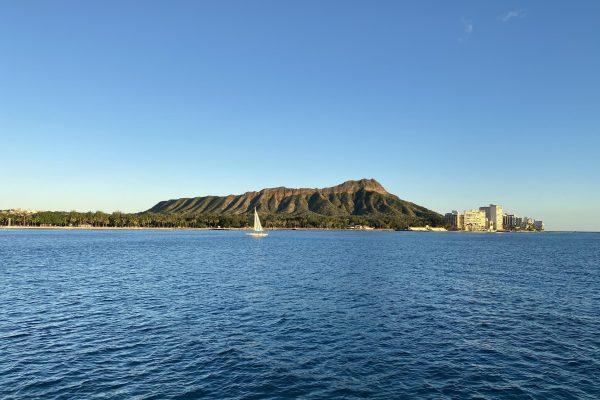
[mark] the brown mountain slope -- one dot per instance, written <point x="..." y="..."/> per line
<point x="365" y="197"/>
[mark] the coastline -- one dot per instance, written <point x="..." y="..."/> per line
<point x="119" y="228"/>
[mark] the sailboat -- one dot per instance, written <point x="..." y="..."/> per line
<point x="258" y="229"/>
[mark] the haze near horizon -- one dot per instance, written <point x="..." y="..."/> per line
<point x="118" y="105"/>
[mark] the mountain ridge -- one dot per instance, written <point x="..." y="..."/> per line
<point x="364" y="197"/>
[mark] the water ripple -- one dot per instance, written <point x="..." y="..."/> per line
<point x="317" y="315"/>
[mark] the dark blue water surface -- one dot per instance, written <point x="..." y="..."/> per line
<point x="210" y="314"/>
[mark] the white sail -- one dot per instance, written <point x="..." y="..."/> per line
<point x="258" y="229"/>
<point x="257" y="225"/>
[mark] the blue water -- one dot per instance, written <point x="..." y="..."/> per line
<point x="318" y="315"/>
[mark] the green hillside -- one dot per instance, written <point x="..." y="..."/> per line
<point x="365" y="197"/>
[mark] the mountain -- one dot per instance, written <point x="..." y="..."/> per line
<point x="365" y="197"/>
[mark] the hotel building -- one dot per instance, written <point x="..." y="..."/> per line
<point x="495" y="217"/>
<point x="490" y="218"/>
<point x="475" y="220"/>
<point x="455" y="220"/>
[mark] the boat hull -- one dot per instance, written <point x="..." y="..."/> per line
<point x="257" y="234"/>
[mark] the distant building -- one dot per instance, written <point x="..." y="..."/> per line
<point x="507" y="221"/>
<point x="518" y="222"/>
<point x="475" y="220"/>
<point x="510" y="222"/>
<point x="449" y="218"/>
<point x="494" y="216"/>
<point x="527" y="223"/>
<point x="490" y="218"/>
<point x="19" y="211"/>
<point x="455" y="220"/>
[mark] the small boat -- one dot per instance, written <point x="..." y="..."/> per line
<point x="258" y="229"/>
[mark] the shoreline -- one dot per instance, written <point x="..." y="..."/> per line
<point x="118" y="228"/>
<point x="122" y="228"/>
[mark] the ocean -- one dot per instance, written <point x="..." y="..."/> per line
<point x="179" y="314"/>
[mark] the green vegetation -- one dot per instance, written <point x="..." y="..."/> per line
<point x="364" y="202"/>
<point x="189" y="220"/>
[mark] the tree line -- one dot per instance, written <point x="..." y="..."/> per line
<point x="186" y="220"/>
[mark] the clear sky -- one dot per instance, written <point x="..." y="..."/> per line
<point x="116" y="105"/>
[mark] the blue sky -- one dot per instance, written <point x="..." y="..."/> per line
<point x="115" y="105"/>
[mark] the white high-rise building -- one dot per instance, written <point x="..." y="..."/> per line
<point x="495" y="217"/>
<point x="474" y="220"/>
